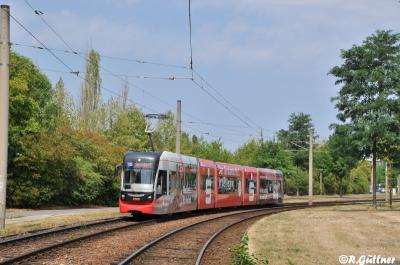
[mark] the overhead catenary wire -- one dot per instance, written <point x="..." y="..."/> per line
<point x="190" y="38"/>
<point x="68" y="67"/>
<point x="101" y="67"/>
<point x="222" y="104"/>
<point x="71" y="50"/>
<point x="229" y="109"/>
<point x="170" y="78"/>
<point x="72" y="71"/>
<point x="225" y="99"/>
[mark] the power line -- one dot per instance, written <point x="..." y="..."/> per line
<point x="190" y="38"/>
<point x="101" y="67"/>
<point x="71" y="50"/>
<point x="44" y="46"/>
<point x="74" y="72"/>
<point x="138" y="61"/>
<point x="225" y="99"/>
<point x="222" y="104"/>
<point x="209" y="85"/>
<point x="170" y="78"/>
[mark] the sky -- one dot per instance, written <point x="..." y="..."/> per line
<point x="268" y="58"/>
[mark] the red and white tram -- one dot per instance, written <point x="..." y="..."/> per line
<point x="164" y="183"/>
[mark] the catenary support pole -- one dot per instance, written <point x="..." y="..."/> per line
<point x="320" y="183"/>
<point x="178" y="127"/>
<point x="4" y="103"/>
<point x="386" y="183"/>
<point x="310" y="170"/>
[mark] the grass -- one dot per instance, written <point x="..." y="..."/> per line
<point x="52" y="222"/>
<point x="321" y="235"/>
<point x="241" y="254"/>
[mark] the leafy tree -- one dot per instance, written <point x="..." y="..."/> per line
<point x="165" y="133"/>
<point x="248" y="153"/>
<point x="359" y="178"/>
<point x="297" y="136"/>
<point x="128" y="129"/>
<point x="368" y="101"/>
<point x="64" y="105"/>
<point x="214" y="151"/>
<point x="31" y="111"/>
<point x="91" y="93"/>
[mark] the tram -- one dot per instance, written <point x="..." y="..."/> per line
<point x="159" y="183"/>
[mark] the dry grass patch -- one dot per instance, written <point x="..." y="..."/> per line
<point x="321" y="235"/>
<point x="323" y="198"/>
<point x="57" y="221"/>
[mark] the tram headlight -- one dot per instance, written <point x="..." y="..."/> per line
<point x="122" y="196"/>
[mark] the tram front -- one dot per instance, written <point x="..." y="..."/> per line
<point x="138" y="173"/>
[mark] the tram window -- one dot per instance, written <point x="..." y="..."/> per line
<point x="248" y="181"/>
<point x="263" y="186"/>
<point x="138" y="176"/>
<point x="173" y="182"/>
<point x="191" y="179"/>
<point x="228" y="185"/>
<point x="270" y="186"/>
<point x="204" y="182"/>
<point x="162" y="182"/>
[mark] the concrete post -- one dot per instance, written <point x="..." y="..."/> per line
<point x="4" y="105"/>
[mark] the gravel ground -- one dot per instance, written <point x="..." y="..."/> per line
<point x="9" y="250"/>
<point x="113" y="247"/>
<point x="220" y="250"/>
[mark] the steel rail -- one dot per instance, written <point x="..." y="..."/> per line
<point x="219" y="232"/>
<point x="46" y="232"/>
<point x="290" y="206"/>
<point x="145" y="247"/>
<point x="63" y="243"/>
<point x="216" y="234"/>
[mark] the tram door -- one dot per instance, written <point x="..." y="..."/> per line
<point x="251" y="189"/>
<point x="208" y="190"/>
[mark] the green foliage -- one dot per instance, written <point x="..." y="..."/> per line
<point x="127" y="129"/>
<point x="241" y="255"/>
<point x="297" y="136"/>
<point x="368" y="101"/>
<point x="30" y="108"/>
<point x="63" y="167"/>
<point x="359" y="178"/>
<point x="90" y="110"/>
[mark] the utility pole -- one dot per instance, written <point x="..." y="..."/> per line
<point x="4" y="102"/>
<point x="386" y="183"/>
<point x="320" y="183"/>
<point x="178" y="127"/>
<point x="310" y="170"/>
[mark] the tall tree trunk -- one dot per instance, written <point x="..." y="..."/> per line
<point x="374" y="174"/>
<point x="340" y="187"/>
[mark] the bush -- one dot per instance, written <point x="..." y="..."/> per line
<point x="63" y="167"/>
<point x="241" y="254"/>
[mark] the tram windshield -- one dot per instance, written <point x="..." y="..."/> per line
<point x="139" y="176"/>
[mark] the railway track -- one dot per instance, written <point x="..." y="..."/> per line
<point x="18" y="248"/>
<point x="112" y="235"/>
<point x="188" y="244"/>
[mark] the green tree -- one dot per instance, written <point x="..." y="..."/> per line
<point x="297" y="136"/>
<point x="31" y="111"/>
<point x="369" y="98"/>
<point x="128" y="129"/>
<point x="64" y="105"/>
<point x="359" y="178"/>
<point x="91" y="93"/>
